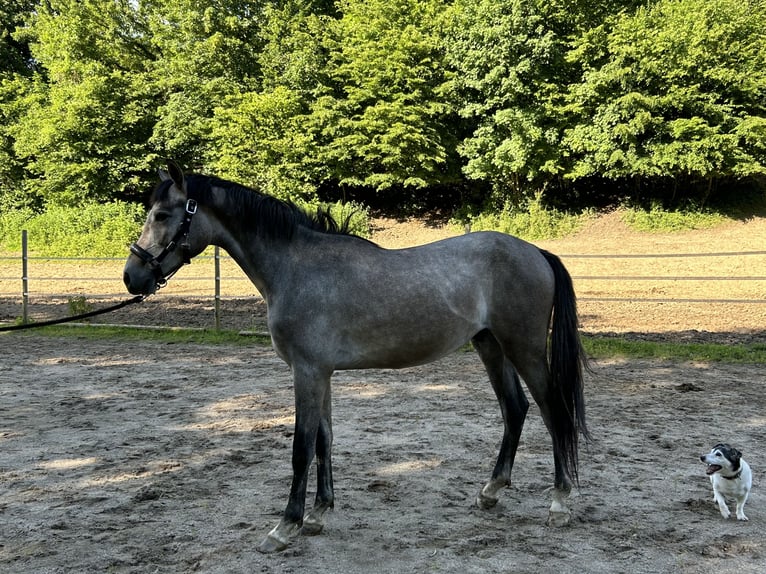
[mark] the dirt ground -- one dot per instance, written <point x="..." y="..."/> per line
<point x="175" y="458"/>
<point x="170" y="458"/>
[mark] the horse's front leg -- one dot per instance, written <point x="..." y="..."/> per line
<point x="313" y="523"/>
<point x="311" y="388"/>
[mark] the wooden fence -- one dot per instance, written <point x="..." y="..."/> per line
<point x="599" y="278"/>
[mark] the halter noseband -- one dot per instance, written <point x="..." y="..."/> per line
<point x="180" y="238"/>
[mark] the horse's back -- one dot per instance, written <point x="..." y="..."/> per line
<point x="461" y="267"/>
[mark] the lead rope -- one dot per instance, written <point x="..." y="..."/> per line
<point x="136" y="299"/>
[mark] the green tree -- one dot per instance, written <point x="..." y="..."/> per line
<point x="293" y="55"/>
<point x="121" y="84"/>
<point x="207" y="50"/>
<point x="257" y="133"/>
<point x="79" y="127"/>
<point x="13" y="173"/>
<point x="378" y="119"/>
<point x="258" y="142"/>
<point x="676" y="91"/>
<point x="16" y="67"/>
<point x="508" y="57"/>
<point x="15" y="55"/>
<point x="393" y="96"/>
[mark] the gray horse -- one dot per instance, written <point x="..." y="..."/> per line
<point x="336" y="301"/>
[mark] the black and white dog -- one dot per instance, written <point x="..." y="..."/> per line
<point x="731" y="477"/>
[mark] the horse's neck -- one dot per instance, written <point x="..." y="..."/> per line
<point x="260" y="259"/>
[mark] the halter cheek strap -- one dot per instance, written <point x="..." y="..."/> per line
<point x="179" y="239"/>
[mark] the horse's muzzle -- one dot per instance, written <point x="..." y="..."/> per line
<point x="136" y="287"/>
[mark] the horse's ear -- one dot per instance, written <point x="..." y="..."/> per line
<point x="164" y="176"/>
<point x="175" y="173"/>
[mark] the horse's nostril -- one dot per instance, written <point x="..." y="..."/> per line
<point x="126" y="279"/>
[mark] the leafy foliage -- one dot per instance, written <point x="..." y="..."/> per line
<point x="309" y="97"/>
<point x="206" y="50"/>
<point x="261" y="141"/>
<point x="531" y="221"/>
<point x="106" y="229"/>
<point x="657" y="219"/>
<point x="78" y="126"/>
<point x="92" y="229"/>
<point x="508" y="57"/>
<point x="677" y="90"/>
<point x="377" y="119"/>
<point x="358" y="216"/>
<point x="15" y="55"/>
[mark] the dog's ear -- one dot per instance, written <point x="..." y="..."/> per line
<point x="735" y="456"/>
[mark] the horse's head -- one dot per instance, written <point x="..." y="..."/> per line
<point x="174" y="232"/>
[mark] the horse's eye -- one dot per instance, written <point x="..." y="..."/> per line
<point x="161" y="216"/>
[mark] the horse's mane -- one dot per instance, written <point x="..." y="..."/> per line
<point x="265" y="215"/>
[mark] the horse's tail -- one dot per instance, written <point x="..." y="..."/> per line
<point x="567" y="359"/>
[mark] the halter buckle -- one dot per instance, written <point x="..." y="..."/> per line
<point x="191" y="206"/>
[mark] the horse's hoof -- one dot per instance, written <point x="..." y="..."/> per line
<point x="558" y="519"/>
<point x="311" y="527"/>
<point x="486" y="502"/>
<point x="271" y="544"/>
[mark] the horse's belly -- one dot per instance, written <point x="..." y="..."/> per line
<point x="395" y="350"/>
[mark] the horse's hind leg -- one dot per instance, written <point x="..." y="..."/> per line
<point x="514" y="406"/>
<point x="536" y="377"/>
<point x="529" y="355"/>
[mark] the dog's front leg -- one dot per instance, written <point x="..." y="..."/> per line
<point x="741" y="508"/>
<point x="722" y="505"/>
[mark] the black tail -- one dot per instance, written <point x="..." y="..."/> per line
<point x="567" y="359"/>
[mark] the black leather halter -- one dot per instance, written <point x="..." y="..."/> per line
<point x="180" y="239"/>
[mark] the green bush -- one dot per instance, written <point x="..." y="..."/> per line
<point x="357" y="214"/>
<point x="656" y="219"/>
<point x="92" y="230"/>
<point x="532" y="221"/>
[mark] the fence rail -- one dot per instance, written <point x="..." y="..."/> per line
<point x="660" y="255"/>
<point x="231" y="283"/>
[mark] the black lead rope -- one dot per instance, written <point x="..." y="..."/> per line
<point x="136" y="299"/>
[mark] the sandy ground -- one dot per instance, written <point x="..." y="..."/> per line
<point x="141" y="458"/>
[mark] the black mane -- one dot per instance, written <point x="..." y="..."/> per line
<point x="265" y="215"/>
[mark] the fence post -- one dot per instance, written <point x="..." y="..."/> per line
<point x="24" y="279"/>
<point x="217" y="288"/>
